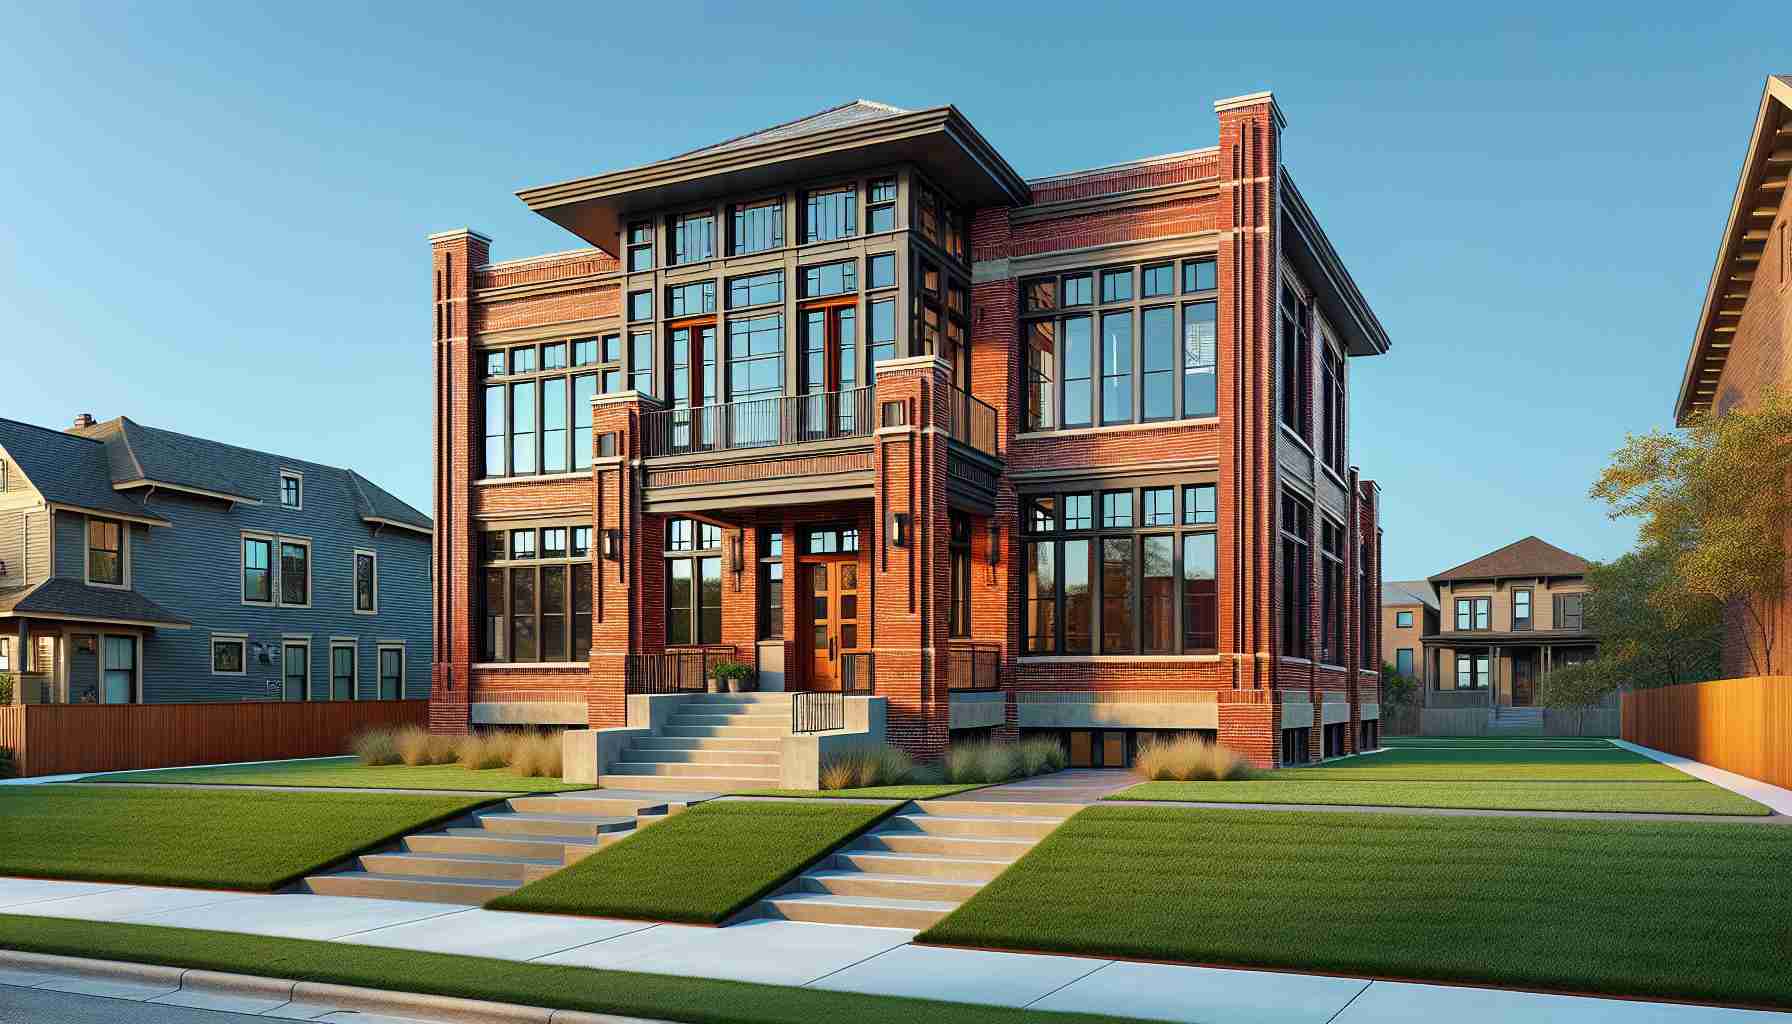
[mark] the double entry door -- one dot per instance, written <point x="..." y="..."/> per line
<point x="831" y="625"/>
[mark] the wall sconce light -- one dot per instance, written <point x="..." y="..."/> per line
<point x="900" y="526"/>
<point x="737" y="557"/>
<point x="994" y="539"/>
<point x="612" y="545"/>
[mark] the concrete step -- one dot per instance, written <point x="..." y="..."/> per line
<point x="685" y="783"/>
<point x="754" y="699"/>
<point x="553" y="824"/>
<point x="462" y="842"/>
<point x="744" y="732"/>
<point x="477" y="867"/>
<point x="969" y="847"/>
<point x="901" y="887"/>
<point x="706" y="743"/>
<point x="424" y="890"/>
<point x="997" y="809"/>
<point x="764" y="772"/>
<point x="767" y="719"/>
<point x="826" y="908"/>
<point x="637" y="755"/>
<point x="921" y="865"/>
<point x="980" y="827"/>
<point x="580" y="806"/>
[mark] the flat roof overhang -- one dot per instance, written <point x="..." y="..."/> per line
<point x="939" y="140"/>
<point x="1760" y="189"/>
<point x="1311" y="252"/>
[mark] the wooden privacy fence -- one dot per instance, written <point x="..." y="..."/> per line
<point x="57" y="739"/>
<point x="1739" y="725"/>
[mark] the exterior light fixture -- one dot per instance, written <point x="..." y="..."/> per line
<point x="994" y="538"/>
<point x="612" y="544"/>
<point x="900" y="526"/>
<point x="736" y="554"/>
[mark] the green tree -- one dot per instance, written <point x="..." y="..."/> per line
<point x="1714" y="500"/>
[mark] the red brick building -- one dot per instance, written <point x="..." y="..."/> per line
<point x="852" y="401"/>
<point x="1742" y="347"/>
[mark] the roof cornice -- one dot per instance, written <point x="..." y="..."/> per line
<point x="129" y="517"/>
<point x="234" y="499"/>
<point x="397" y="524"/>
<point x="1760" y="185"/>
<point x="1349" y="310"/>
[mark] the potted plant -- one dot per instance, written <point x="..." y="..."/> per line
<point x="735" y="675"/>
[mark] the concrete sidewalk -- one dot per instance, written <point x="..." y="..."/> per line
<point x="1776" y="797"/>
<point x="880" y="961"/>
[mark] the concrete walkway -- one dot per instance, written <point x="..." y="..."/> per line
<point x="1776" y="797"/>
<point x="879" y="961"/>
<point x="1072" y="786"/>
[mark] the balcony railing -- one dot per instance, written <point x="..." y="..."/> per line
<point x="759" y="423"/>
<point x="974" y="666"/>
<point x="971" y="421"/>
<point x="678" y="670"/>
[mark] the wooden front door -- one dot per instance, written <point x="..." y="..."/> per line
<point x="831" y="610"/>
<point x="1524" y="680"/>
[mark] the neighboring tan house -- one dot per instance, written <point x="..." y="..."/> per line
<point x="1508" y="617"/>
<point x="139" y="565"/>
<point x="1408" y="614"/>
<point x="1743" y="345"/>
<point x="851" y="400"/>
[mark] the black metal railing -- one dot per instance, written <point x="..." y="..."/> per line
<point x="817" y="711"/>
<point x="973" y="666"/>
<point x="971" y="421"/>
<point x="858" y="673"/>
<point x="759" y="423"/>
<point x="677" y="670"/>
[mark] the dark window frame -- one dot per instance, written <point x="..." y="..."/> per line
<point x="692" y="241"/>
<point x="1527" y="621"/>
<point x="501" y="559"/>
<point x="1295" y="526"/>
<point x="567" y="419"/>
<point x="699" y="552"/>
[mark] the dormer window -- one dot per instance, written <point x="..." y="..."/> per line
<point x="292" y="490"/>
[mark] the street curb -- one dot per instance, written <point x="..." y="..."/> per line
<point x="445" y="1009"/>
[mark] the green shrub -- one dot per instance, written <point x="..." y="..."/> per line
<point x="5" y="688"/>
<point x="8" y="766"/>
<point x="726" y="670"/>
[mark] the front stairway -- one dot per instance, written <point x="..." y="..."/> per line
<point x="918" y="865"/>
<point x="1514" y="721"/>
<point x="714" y="743"/>
<point x="495" y="851"/>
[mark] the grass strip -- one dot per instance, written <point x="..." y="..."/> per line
<point x="255" y="840"/>
<point x="1492" y="764"/>
<point x="1567" y="742"/>
<point x="347" y="773"/>
<point x="1678" y="910"/>
<point x="904" y="792"/>
<point x="1625" y="797"/>
<point x="700" y="866"/>
<point x="624" y="993"/>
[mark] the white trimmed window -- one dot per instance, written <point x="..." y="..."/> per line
<point x="391" y="668"/>
<point x="343" y="658"/>
<point x="107" y="555"/>
<point x="292" y="489"/>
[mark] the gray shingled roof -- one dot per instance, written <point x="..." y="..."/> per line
<point x="138" y="452"/>
<point x="1532" y="556"/>
<point x="1408" y="592"/>
<point x="60" y="597"/>
<point x="856" y="112"/>
<point x="68" y="470"/>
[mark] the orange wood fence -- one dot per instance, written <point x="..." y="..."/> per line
<point x="55" y="739"/>
<point x="1739" y="725"/>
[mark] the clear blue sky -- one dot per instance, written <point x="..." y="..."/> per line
<point x="212" y="218"/>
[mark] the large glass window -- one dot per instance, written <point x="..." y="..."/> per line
<point x="553" y="425"/>
<point x="584" y="389"/>
<point x="1297" y="373"/>
<point x="640" y="246"/>
<point x="542" y="424"/>
<point x="880" y="211"/>
<point x="830" y="279"/>
<point x="881" y="339"/>
<point x="830" y="214"/>
<point x="295" y="572"/>
<point x="1140" y="584"/>
<point x="880" y="270"/>
<point x="1474" y="613"/>
<point x="1331" y="592"/>
<point x="532" y="608"/>
<point x="694" y="237"/>
<point x="495" y="463"/>
<point x="771" y="585"/>
<point x="105" y="552"/>
<point x="522" y="428"/>
<point x="756" y="289"/>
<point x="1143" y="350"/>
<point x="693" y="582"/>
<point x="1297" y="577"/>
<point x="692" y="299"/>
<point x="640" y="361"/>
<point x="258" y="577"/>
<point x="759" y="226"/>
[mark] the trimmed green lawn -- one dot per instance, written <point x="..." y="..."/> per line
<point x="926" y="791"/>
<point x="652" y="996"/>
<point x="1567" y="742"/>
<point x="1657" y="909"/>
<point x="701" y="865"/>
<point x="347" y="773"/>
<point x="241" y="839"/>
<point x="1492" y="764"/>
<point x="1632" y="797"/>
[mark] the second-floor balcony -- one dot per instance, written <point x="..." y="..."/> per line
<point x="758" y="423"/>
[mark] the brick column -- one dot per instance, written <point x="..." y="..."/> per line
<point x="622" y="602"/>
<point x="453" y="256"/>
<point x="911" y="581"/>
<point x="1250" y="159"/>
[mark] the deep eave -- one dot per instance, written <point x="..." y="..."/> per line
<point x="1312" y="254"/>
<point x="1760" y="189"/>
<point x="940" y="140"/>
